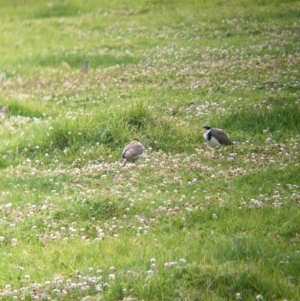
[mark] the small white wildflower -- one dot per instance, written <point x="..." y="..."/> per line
<point x="152" y="260"/>
<point x="259" y="297"/>
<point x="27" y="277"/>
<point x="14" y="241"/>
<point x="112" y="269"/>
<point x="182" y="261"/>
<point x="170" y="264"/>
<point x="173" y="263"/>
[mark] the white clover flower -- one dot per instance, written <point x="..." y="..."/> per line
<point x="152" y="260"/>
<point x="112" y="269"/>
<point x="27" y="277"/>
<point x="150" y="272"/>
<point x="182" y="261"/>
<point x="170" y="264"/>
<point x="14" y="241"/>
<point x="153" y="266"/>
<point x="8" y="287"/>
<point x="101" y="235"/>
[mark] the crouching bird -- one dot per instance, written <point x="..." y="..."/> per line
<point x="133" y="151"/>
<point x="215" y="137"/>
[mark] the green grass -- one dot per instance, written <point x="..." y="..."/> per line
<point x="185" y="222"/>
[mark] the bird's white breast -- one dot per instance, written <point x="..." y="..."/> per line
<point x="213" y="142"/>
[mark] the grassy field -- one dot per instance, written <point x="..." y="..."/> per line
<point x="186" y="222"/>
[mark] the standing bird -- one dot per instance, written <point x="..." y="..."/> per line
<point x="4" y="112"/>
<point x="215" y="137"/>
<point x="85" y="67"/>
<point x="133" y="151"/>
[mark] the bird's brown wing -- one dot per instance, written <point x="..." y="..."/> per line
<point x="221" y="136"/>
<point x="132" y="150"/>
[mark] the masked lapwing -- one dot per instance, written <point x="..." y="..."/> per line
<point x="133" y="151"/>
<point x="86" y="67"/>
<point x="4" y="112"/>
<point x="215" y="137"/>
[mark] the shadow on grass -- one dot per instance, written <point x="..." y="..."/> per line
<point x="17" y="108"/>
<point x="228" y="285"/>
<point x="76" y="60"/>
<point x="99" y="209"/>
<point x="57" y="10"/>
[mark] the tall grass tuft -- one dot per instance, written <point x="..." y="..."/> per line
<point x="57" y="10"/>
<point x="138" y="117"/>
<point x="26" y="109"/>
